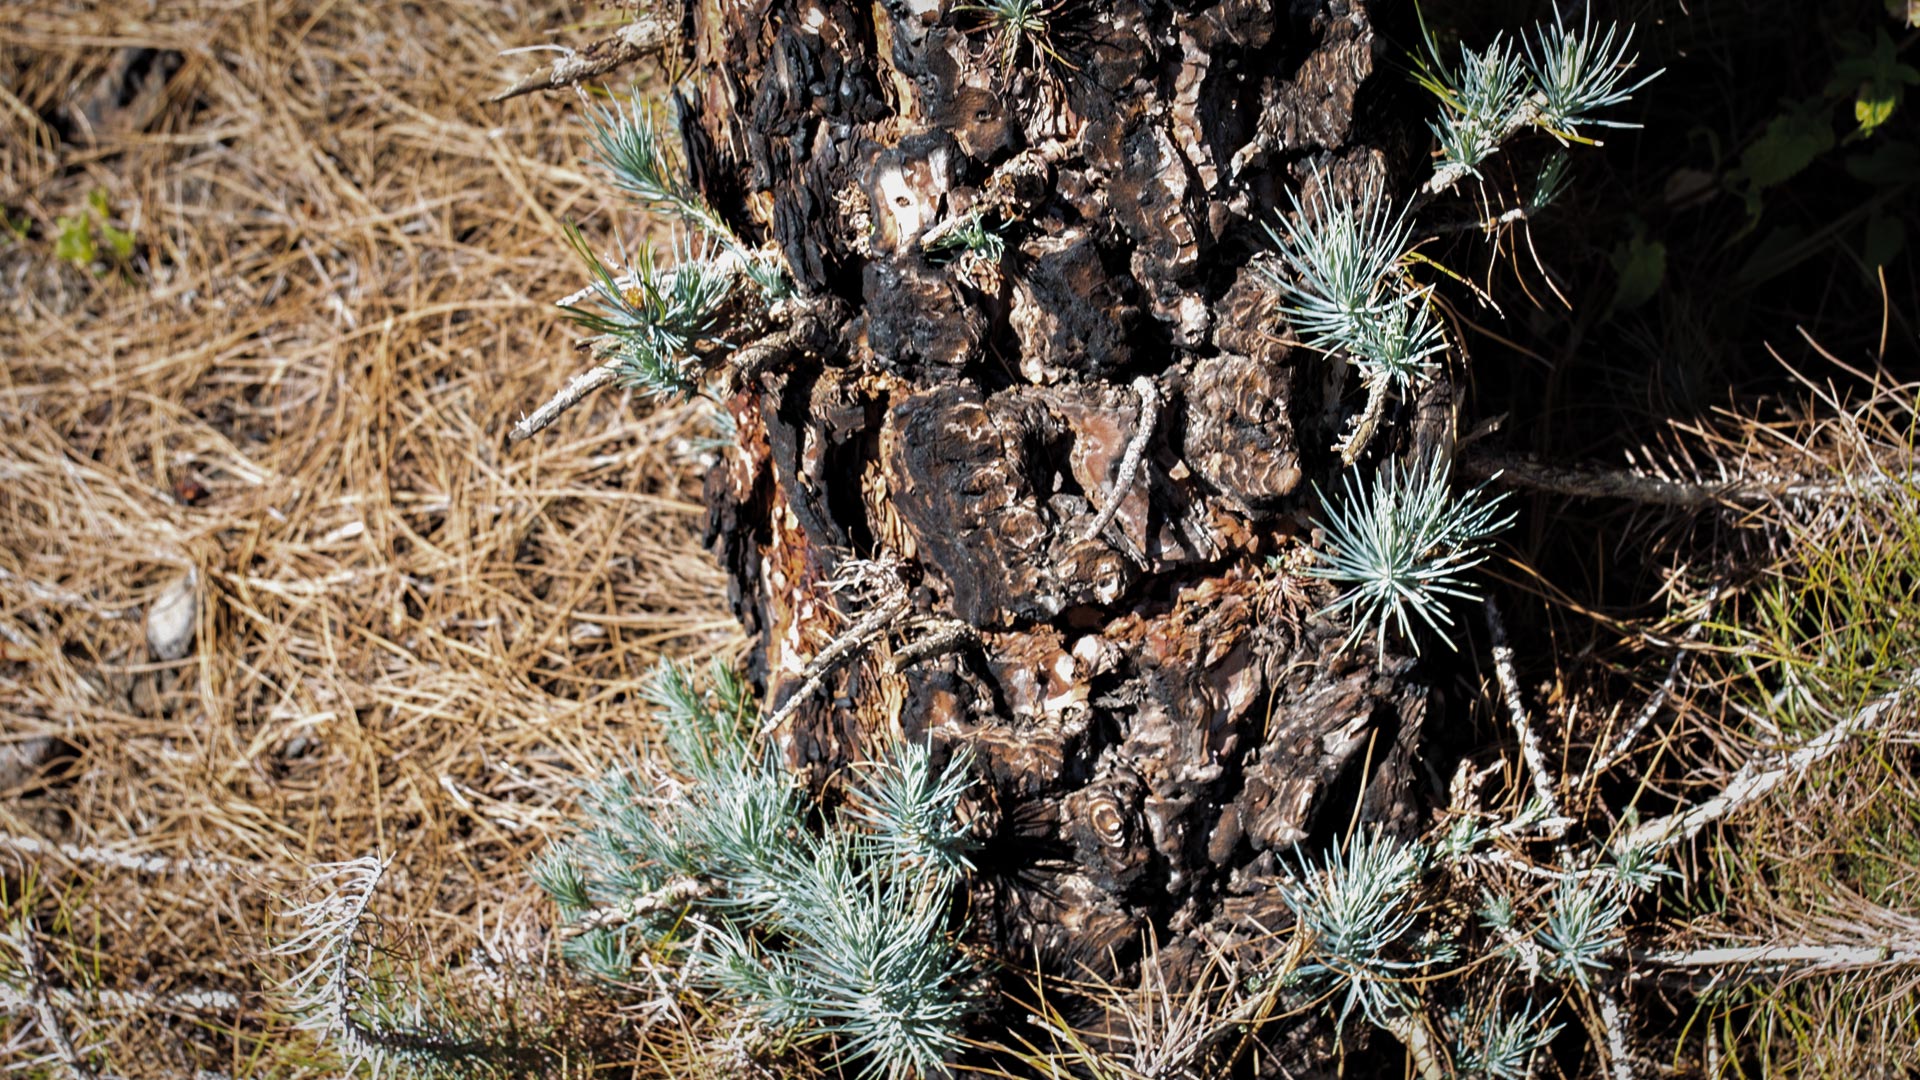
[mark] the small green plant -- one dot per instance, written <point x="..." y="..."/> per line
<point x="1401" y="542"/>
<point x="1366" y="918"/>
<point x="1582" y="929"/>
<point x="1502" y="1045"/>
<point x="972" y="236"/>
<point x="1576" y="74"/>
<point x="1483" y="98"/>
<point x="80" y="236"/>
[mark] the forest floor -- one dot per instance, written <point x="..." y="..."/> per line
<point x="274" y="282"/>
<point x="291" y="391"/>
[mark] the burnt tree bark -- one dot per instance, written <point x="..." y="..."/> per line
<point x="1156" y="714"/>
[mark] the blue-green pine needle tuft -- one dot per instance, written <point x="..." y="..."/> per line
<point x="1401" y="543"/>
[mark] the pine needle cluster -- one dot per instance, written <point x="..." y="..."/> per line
<point x="815" y="925"/>
<point x="1344" y="291"/>
<point x="1558" y="79"/>
<point x="649" y="315"/>
<point x="1401" y="542"/>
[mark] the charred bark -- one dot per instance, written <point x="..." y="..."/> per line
<point x="1157" y="717"/>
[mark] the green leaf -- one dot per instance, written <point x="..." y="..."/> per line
<point x="1642" y="266"/>
<point x="119" y="241"/>
<point x="1891" y="163"/>
<point x="74" y="242"/>
<point x="1886" y="236"/>
<point x="1792" y="140"/>
<point x="1776" y="252"/>
<point x="1876" y="78"/>
<point x="1872" y="109"/>
<point x="97" y="198"/>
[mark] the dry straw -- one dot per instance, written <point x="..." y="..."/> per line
<point x="409" y="639"/>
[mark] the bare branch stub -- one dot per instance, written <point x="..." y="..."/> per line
<point x="648" y="33"/>
<point x="572" y="394"/>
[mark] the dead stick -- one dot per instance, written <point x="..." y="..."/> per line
<point x="1757" y="778"/>
<point x="1543" y="785"/>
<point x="1136" y="450"/>
<point x="649" y="33"/>
<point x="855" y="638"/>
<point x="673" y="895"/>
<point x="570" y="395"/>
<point x="940" y="639"/>
<point x="1589" y="481"/>
<point x="1796" y="958"/>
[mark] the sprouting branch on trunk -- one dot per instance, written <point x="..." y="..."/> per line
<point x="1760" y="776"/>
<point x="1014" y="189"/>
<point x="649" y="33"/>
<point x="632" y="331"/>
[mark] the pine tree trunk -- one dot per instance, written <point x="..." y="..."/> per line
<point x="1156" y="714"/>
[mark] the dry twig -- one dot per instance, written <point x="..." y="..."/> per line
<point x="1135" y="452"/>
<point x="1544" y="788"/>
<point x="650" y="32"/>
<point x="1761" y="775"/>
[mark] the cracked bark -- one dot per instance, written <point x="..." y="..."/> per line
<point x="1152" y="738"/>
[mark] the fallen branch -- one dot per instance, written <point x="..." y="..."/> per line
<point x="1757" y="778"/>
<point x="648" y="33"/>
<point x="1795" y="959"/>
<point x="194" y="1002"/>
<point x="1613" y="1018"/>
<point x="1589" y="481"/>
<point x="1624" y="744"/>
<point x="41" y="1004"/>
<point x="158" y="865"/>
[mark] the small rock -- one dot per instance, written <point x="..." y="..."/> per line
<point x="21" y="761"/>
<point x="172" y="617"/>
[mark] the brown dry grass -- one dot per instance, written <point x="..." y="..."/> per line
<point x="410" y="640"/>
